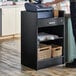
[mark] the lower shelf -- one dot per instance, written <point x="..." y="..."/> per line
<point x="49" y="62"/>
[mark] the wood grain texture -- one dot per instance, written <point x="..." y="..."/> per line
<point x="10" y="63"/>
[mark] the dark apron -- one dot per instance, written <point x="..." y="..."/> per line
<point x="73" y="17"/>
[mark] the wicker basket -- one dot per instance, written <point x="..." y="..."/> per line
<point x="56" y="13"/>
<point x="44" y="52"/>
<point x="56" y="51"/>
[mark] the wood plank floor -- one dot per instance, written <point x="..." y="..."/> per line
<point x="10" y="63"/>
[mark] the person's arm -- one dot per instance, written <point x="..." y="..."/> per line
<point x="54" y="2"/>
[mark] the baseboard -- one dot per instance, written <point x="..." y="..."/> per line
<point x="10" y="37"/>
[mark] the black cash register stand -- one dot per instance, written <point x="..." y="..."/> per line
<point x="32" y="23"/>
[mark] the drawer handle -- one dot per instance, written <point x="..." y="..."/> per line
<point x="44" y="49"/>
<point x="51" y="22"/>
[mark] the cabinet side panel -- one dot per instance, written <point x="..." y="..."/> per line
<point x="28" y="39"/>
<point x="0" y="22"/>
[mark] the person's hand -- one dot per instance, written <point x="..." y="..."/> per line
<point x="47" y="4"/>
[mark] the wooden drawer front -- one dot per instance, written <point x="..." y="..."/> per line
<point x="57" y="51"/>
<point x="44" y="52"/>
<point x="50" y="22"/>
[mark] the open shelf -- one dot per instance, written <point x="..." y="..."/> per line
<point x="50" y="58"/>
<point x="50" y="39"/>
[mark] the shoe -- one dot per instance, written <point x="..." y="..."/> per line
<point x="71" y="64"/>
<point x="74" y="60"/>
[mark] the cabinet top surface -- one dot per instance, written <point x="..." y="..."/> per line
<point x="11" y="6"/>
